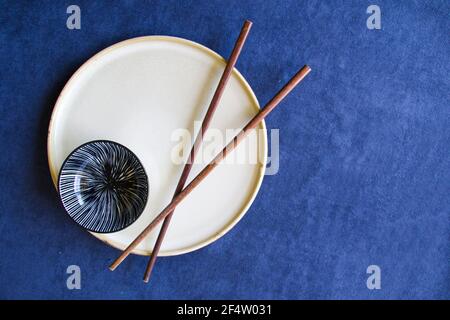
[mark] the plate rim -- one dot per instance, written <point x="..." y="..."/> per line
<point x="262" y="166"/>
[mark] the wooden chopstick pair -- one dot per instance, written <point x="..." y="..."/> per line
<point x="181" y="192"/>
<point x="198" y="141"/>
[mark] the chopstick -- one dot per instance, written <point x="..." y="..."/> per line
<point x="198" y="141"/>
<point x="272" y="104"/>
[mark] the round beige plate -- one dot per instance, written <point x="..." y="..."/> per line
<point x="147" y="93"/>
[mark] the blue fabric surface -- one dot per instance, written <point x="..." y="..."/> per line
<point x="364" y="151"/>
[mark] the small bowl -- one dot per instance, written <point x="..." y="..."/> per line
<point x="103" y="186"/>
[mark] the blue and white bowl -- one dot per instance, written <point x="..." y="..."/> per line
<point x="103" y="186"/>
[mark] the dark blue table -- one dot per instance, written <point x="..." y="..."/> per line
<point x="364" y="151"/>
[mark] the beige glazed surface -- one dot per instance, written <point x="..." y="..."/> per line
<point x="143" y="93"/>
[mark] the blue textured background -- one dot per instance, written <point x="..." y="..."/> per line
<point x="365" y="151"/>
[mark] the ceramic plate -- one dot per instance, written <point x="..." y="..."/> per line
<point x="147" y="94"/>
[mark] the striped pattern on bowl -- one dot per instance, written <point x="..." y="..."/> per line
<point x="103" y="186"/>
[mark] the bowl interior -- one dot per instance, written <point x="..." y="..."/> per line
<point x="103" y="186"/>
